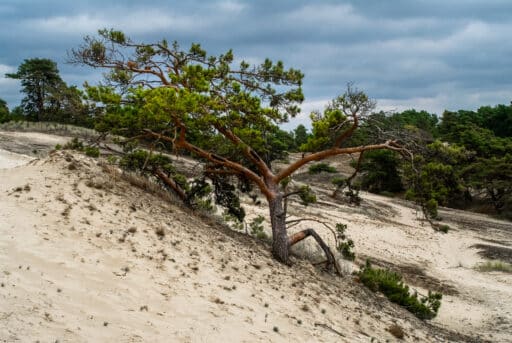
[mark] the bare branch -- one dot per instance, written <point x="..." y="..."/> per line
<point x="390" y="145"/>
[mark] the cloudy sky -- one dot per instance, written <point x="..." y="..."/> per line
<point x="423" y="54"/>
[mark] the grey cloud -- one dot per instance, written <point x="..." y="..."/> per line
<point x="425" y="54"/>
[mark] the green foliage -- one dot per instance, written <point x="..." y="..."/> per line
<point x="143" y="161"/>
<point x="493" y="176"/>
<point x="380" y="172"/>
<point x="77" y="144"/>
<point x="351" y="190"/>
<point x="431" y="207"/>
<point x="306" y="195"/>
<point x="197" y="191"/>
<point x="92" y="151"/>
<point x="434" y="178"/>
<point x="496" y="119"/>
<point x="47" y="97"/>
<point x="39" y="77"/>
<point x="344" y="245"/>
<point x="300" y="135"/>
<point x="392" y="286"/>
<point x="321" y="167"/>
<point x="256" y="228"/>
<point x="74" y="144"/>
<point x="443" y="228"/>
<point x="335" y="121"/>
<point x="226" y="196"/>
<point x="4" y="112"/>
<point x="422" y="120"/>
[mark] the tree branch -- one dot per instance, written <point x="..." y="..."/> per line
<point x="181" y="142"/>
<point x="390" y="145"/>
<point x="246" y="150"/>
<point x="301" y="235"/>
<point x="349" y="131"/>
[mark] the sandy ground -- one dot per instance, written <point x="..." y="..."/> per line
<point x="11" y="159"/>
<point x="86" y="257"/>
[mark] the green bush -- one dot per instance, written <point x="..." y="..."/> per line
<point x="92" y="151"/>
<point x="74" y="144"/>
<point x="391" y="285"/>
<point x="431" y="207"/>
<point x="443" y="228"/>
<point x="257" y="229"/>
<point x="321" y="167"/>
<point x="344" y="245"/>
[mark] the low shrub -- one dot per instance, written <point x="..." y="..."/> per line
<point x="74" y="144"/>
<point x="443" y="228"/>
<point x="344" y="244"/>
<point x="321" y="167"/>
<point x="391" y="285"/>
<point x="256" y="226"/>
<point x="92" y="151"/>
<point x="495" y="266"/>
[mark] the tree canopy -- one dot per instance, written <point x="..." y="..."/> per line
<point x="47" y="97"/>
<point x="219" y="112"/>
<point x="39" y="79"/>
<point x="4" y="111"/>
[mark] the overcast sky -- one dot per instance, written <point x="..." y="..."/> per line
<point x="423" y="54"/>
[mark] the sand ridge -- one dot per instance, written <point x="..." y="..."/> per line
<point x="85" y="256"/>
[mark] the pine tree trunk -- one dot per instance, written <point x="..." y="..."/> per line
<point x="280" y="244"/>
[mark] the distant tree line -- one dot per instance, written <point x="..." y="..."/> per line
<point x="461" y="160"/>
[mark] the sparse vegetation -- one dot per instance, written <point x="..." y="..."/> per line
<point x="391" y="285"/>
<point x="443" y="228"/>
<point x="92" y="151"/>
<point x="257" y="229"/>
<point x="321" y="168"/>
<point x="344" y="244"/>
<point x="495" y="266"/>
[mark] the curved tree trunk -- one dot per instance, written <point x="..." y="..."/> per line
<point x="280" y="246"/>
<point x="331" y="260"/>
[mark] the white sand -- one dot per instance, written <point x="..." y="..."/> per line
<point x="80" y="261"/>
<point x="10" y="159"/>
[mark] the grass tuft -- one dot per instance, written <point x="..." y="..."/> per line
<point x="495" y="266"/>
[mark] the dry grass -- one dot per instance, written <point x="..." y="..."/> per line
<point x="50" y="127"/>
<point x="495" y="266"/>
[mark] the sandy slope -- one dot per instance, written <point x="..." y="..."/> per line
<point x="11" y="159"/>
<point x="86" y="257"/>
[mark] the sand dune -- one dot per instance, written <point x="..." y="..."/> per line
<point x="87" y="257"/>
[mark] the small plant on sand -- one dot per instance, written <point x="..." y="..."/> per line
<point x="74" y="144"/>
<point x="256" y="227"/>
<point x="443" y="228"/>
<point x="92" y="151"/>
<point x="392" y="286"/>
<point x="352" y="190"/>
<point x="344" y="244"/>
<point x="321" y="167"/>
<point x="78" y="145"/>
<point x="495" y="266"/>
